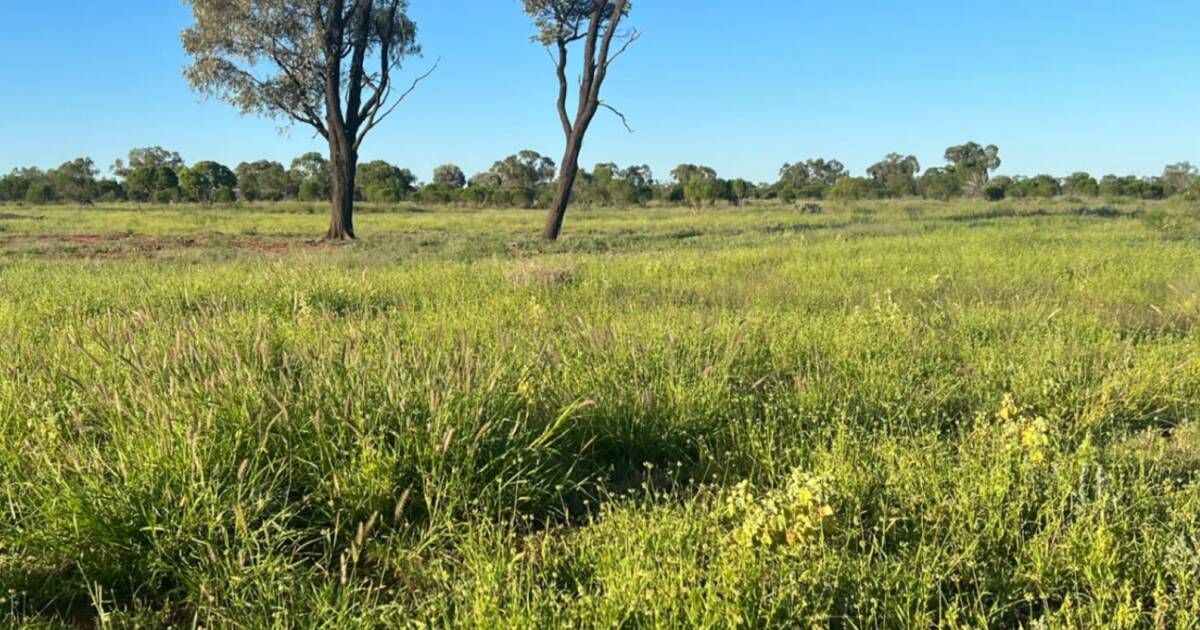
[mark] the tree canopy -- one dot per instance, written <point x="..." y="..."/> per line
<point x="326" y="63"/>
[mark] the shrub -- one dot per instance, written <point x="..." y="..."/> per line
<point x="39" y="193"/>
<point x="852" y="188"/>
<point x="165" y="196"/>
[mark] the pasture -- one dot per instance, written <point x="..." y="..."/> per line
<point x="892" y="413"/>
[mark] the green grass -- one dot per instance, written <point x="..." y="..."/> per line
<point x="904" y="414"/>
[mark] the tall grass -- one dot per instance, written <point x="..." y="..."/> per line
<point x="887" y="415"/>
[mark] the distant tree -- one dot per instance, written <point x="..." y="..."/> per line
<point x="853" y="188"/>
<point x="596" y="187"/>
<point x="939" y="183"/>
<point x="1039" y="187"/>
<point x="381" y="182"/>
<point x="1081" y="184"/>
<point x="476" y="194"/>
<point x="203" y="179"/>
<point x="264" y="180"/>
<point x="809" y="179"/>
<point x="559" y="24"/>
<point x="1132" y="186"/>
<point x="325" y="63"/>
<point x="15" y="185"/>
<point x="997" y="188"/>
<point x="687" y="172"/>
<point x="110" y="190"/>
<point x="152" y="183"/>
<point x="603" y="177"/>
<point x="896" y="175"/>
<point x="739" y="191"/>
<point x="166" y="196"/>
<point x="150" y="174"/>
<point x="701" y="192"/>
<point x="1151" y="188"/>
<point x="1178" y="178"/>
<point x="225" y="195"/>
<point x="147" y="157"/>
<point x="486" y="179"/>
<point x="76" y="180"/>
<point x="40" y="192"/>
<point x="634" y="185"/>
<point x="437" y="193"/>
<point x="526" y="169"/>
<point x="311" y="171"/>
<point x="449" y="175"/>
<point x="973" y="164"/>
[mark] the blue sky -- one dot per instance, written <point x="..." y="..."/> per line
<point x="741" y="85"/>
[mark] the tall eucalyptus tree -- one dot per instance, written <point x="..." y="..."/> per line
<point x="328" y="64"/>
<point x="561" y="23"/>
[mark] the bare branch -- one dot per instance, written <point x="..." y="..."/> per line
<point x="376" y="118"/>
<point x="624" y="121"/>
<point x="632" y="37"/>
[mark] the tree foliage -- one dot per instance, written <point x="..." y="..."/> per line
<point x="204" y="179"/>
<point x="265" y="180"/>
<point x="449" y="175"/>
<point x="973" y="164"/>
<point x="75" y="180"/>
<point x="896" y="175"/>
<point x="326" y="63"/>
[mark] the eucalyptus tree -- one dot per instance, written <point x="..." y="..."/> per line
<point x="311" y="175"/>
<point x="76" y="180"/>
<point x="328" y="64"/>
<point x="973" y="164"/>
<point x="1178" y="178"/>
<point x="264" y="180"/>
<point x="147" y="158"/>
<point x="204" y="180"/>
<point x="449" y="175"/>
<point x="561" y="23"/>
<point x="687" y="172"/>
<point x="896" y="174"/>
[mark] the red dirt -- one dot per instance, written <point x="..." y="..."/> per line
<point x="118" y="246"/>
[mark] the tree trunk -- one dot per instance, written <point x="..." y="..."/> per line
<point x="562" y="196"/>
<point x="343" y="164"/>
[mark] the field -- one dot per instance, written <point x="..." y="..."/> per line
<point x="890" y="414"/>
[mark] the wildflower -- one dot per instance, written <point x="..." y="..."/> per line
<point x="785" y="517"/>
<point x="525" y="391"/>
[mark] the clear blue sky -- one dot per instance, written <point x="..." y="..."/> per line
<point x="741" y="85"/>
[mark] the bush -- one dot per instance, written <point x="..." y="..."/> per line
<point x="516" y="197"/>
<point x="225" y="195"/>
<point x="852" y="189"/>
<point x="383" y="193"/>
<point x="313" y="190"/>
<point x="39" y="193"/>
<point x="939" y="183"/>
<point x="165" y="196"/>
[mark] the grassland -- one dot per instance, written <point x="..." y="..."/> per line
<point x="888" y="415"/>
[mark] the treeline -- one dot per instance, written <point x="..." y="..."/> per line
<point x="526" y="179"/>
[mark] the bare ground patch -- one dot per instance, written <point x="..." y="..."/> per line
<point x="127" y="246"/>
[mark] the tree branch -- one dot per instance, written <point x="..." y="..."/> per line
<point x="376" y="118"/>
<point x="614" y="110"/>
<point x="632" y="37"/>
<point x="385" y="67"/>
